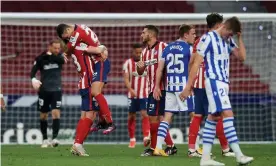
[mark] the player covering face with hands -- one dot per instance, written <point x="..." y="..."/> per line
<point x="215" y="49"/>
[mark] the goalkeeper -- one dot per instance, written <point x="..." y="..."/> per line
<point x="49" y="63"/>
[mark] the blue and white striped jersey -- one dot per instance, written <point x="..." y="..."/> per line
<point x="216" y="52"/>
<point x="177" y="57"/>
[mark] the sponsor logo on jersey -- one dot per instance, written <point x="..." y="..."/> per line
<point x="151" y="62"/>
<point x="50" y="66"/>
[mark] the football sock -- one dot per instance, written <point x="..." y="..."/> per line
<point x="131" y="127"/>
<point x="43" y="128"/>
<point x="78" y="130"/>
<point x="221" y="135"/>
<point x="104" y="108"/>
<point x="55" y="127"/>
<point x="162" y="133"/>
<point x="153" y="133"/>
<point x="85" y="128"/>
<point x="145" y="126"/>
<point x="193" y="131"/>
<point x="209" y="133"/>
<point x="231" y="135"/>
<point x="168" y="139"/>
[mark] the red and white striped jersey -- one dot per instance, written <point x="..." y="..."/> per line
<point x="151" y="57"/>
<point x="137" y="82"/>
<point x="200" y="77"/>
<point x="84" y="65"/>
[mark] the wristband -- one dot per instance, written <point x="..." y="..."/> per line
<point x="1" y="95"/>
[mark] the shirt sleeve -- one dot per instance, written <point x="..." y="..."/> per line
<point x="125" y="69"/>
<point x="35" y="67"/>
<point x="203" y="45"/>
<point x="232" y="44"/>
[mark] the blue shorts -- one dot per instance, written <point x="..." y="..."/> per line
<point x="101" y="70"/>
<point x="154" y="107"/>
<point x="201" y="102"/>
<point x="87" y="103"/>
<point x="136" y="105"/>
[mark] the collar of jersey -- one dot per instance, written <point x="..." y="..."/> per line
<point x="153" y="45"/>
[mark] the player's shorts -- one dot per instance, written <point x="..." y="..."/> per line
<point x="88" y="103"/>
<point x="201" y="101"/>
<point x="218" y="96"/>
<point x="154" y="107"/>
<point x="175" y="105"/>
<point x="49" y="100"/>
<point x="101" y="70"/>
<point x="136" y="105"/>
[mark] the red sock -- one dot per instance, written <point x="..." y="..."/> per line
<point x="193" y="131"/>
<point x="168" y="139"/>
<point x="78" y="128"/>
<point x="153" y="133"/>
<point x="104" y="108"/>
<point x="131" y="127"/>
<point x="85" y="128"/>
<point x="221" y="135"/>
<point x="146" y="126"/>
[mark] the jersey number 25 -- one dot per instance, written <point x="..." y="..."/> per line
<point x="173" y="61"/>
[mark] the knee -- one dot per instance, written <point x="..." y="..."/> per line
<point x="43" y="116"/>
<point x="144" y="114"/>
<point x="154" y="119"/>
<point x="55" y="113"/>
<point x="131" y="115"/>
<point x="91" y="115"/>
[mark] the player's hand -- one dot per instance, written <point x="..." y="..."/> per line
<point x="141" y="64"/>
<point x="133" y="93"/>
<point x="3" y="105"/>
<point x="36" y="83"/>
<point x="185" y="93"/>
<point x="104" y="55"/>
<point x="157" y="93"/>
<point x="65" y="57"/>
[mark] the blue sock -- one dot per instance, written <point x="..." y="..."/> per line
<point x="209" y="133"/>
<point x="162" y="133"/>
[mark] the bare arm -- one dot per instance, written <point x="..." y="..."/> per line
<point x="141" y="67"/>
<point x="3" y="105"/>
<point x="240" y="52"/>
<point x="191" y="62"/>
<point x="95" y="50"/>
<point x="159" y="72"/>
<point x="126" y="80"/>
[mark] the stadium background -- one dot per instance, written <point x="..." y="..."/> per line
<point x="252" y="83"/>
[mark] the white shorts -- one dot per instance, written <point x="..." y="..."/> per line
<point x="218" y="96"/>
<point x="175" y="105"/>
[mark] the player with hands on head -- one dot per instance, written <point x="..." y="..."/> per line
<point x="215" y="49"/>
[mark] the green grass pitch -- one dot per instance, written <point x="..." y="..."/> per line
<point x="121" y="155"/>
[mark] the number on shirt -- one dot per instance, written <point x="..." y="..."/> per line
<point x="75" y="60"/>
<point x="173" y="61"/>
<point x="89" y="31"/>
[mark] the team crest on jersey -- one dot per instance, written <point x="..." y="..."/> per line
<point x="155" y="52"/>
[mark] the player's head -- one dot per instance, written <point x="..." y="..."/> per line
<point x="64" y="31"/>
<point x="137" y="50"/>
<point x="187" y="33"/>
<point x="54" y="46"/>
<point x="149" y="32"/>
<point x="214" y="20"/>
<point x="230" y="27"/>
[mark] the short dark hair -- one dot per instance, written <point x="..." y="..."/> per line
<point x="137" y="45"/>
<point x="212" y="19"/>
<point x="233" y="24"/>
<point x="61" y="28"/>
<point x="184" y="28"/>
<point x="153" y="28"/>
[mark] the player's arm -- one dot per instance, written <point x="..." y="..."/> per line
<point x="35" y="82"/>
<point x="199" y="58"/>
<point x="157" y="92"/>
<point x="3" y="105"/>
<point x="238" y="51"/>
<point x="127" y="81"/>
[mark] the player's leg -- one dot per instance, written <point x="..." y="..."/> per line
<point x="101" y="124"/>
<point x="99" y="79"/>
<point x="171" y="105"/>
<point x="85" y="122"/>
<point x="56" y="106"/>
<point x="131" y="121"/>
<point x="145" y="120"/>
<point x="196" y="120"/>
<point x="171" y="148"/>
<point x="43" y="107"/>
